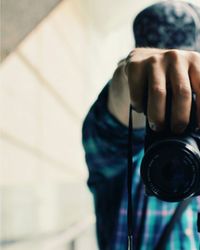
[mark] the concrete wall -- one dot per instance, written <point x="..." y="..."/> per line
<point x="43" y="102"/>
<point x="21" y="15"/>
<point x="47" y="86"/>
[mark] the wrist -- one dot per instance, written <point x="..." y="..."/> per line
<point x="119" y="98"/>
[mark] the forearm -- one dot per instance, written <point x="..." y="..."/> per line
<point x="119" y="98"/>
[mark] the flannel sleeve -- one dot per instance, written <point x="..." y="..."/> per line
<point x="105" y="142"/>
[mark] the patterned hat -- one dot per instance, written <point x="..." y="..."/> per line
<point x="168" y="24"/>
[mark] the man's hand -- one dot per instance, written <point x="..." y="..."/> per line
<point x="150" y="72"/>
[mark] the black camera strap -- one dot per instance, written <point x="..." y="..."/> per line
<point x="178" y="212"/>
<point x="129" y="182"/>
<point x="169" y="227"/>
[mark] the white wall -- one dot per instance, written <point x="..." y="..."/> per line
<point x="47" y="86"/>
<point x="43" y="177"/>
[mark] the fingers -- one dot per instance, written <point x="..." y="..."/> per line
<point x="150" y="74"/>
<point x="195" y="82"/>
<point x="181" y="95"/>
<point x="198" y="109"/>
<point x="156" y="94"/>
<point x="137" y="83"/>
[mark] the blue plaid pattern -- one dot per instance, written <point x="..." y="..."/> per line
<point x="105" y="143"/>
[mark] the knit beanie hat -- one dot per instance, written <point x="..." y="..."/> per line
<point x="168" y="24"/>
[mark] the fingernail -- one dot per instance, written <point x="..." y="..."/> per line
<point x="153" y="126"/>
<point x="179" y="129"/>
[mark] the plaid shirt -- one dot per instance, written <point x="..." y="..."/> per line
<point x="105" y="143"/>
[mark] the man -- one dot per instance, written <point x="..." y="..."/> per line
<point x="172" y="30"/>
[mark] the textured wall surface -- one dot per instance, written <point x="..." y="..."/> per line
<point x="47" y="85"/>
<point x="43" y="173"/>
<point x="18" y="20"/>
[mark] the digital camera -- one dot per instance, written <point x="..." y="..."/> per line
<point x="170" y="167"/>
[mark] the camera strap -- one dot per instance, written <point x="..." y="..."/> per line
<point x="169" y="227"/>
<point x="129" y="182"/>
<point x="177" y="214"/>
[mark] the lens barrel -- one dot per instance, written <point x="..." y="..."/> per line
<point x="170" y="169"/>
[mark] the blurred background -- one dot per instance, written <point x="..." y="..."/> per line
<point x="55" y="58"/>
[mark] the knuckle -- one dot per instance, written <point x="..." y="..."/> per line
<point x="158" y="90"/>
<point x="135" y="64"/>
<point x="155" y="59"/>
<point x="132" y="56"/>
<point x="183" y="91"/>
<point x="195" y="60"/>
<point x="174" y="55"/>
<point x="132" y="66"/>
<point x="195" y="55"/>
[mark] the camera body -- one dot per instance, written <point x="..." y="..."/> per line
<point x="170" y="168"/>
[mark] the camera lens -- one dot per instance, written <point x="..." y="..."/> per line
<point x="171" y="176"/>
<point x="170" y="170"/>
<point x="176" y="175"/>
